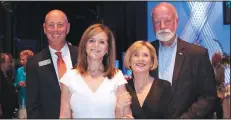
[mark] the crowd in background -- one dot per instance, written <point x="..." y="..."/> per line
<point x="13" y="87"/>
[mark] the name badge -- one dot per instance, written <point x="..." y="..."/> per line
<point x="44" y="62"/>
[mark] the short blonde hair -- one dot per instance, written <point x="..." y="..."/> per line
<point x="137" y="45"/>
<point x="27" y="53"/>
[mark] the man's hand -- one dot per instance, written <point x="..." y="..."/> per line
<point x="123" y="100"/>
<point x="22" y="84"/>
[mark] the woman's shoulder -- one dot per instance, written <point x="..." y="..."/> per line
<point x="118" y="78"/>
<point x="118" y="73"/>
<point x="72" y="73"/>
<point x="69" y="77"/>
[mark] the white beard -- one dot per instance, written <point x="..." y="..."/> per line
<point x="166" y="36"/>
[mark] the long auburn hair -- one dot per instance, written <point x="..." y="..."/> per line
<point x="109" y="58"/>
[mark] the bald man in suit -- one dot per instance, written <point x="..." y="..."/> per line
<point x="42" y="73"/>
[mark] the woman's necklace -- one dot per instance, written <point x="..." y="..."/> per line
<point x="139" y="88"/>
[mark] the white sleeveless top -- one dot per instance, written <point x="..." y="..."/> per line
<point x="86" y="104"/>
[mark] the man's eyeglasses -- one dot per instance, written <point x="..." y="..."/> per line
<point x="166" y="22"/>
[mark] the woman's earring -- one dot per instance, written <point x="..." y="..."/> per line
<point x="106" y="54"/>
<point x="130" y="66"/>
<point x="151" y="67"/>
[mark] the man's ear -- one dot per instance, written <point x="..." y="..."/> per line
<point x="177" y="21"/>
<point x="68" y="28"/>
<point x="44" y="28"/>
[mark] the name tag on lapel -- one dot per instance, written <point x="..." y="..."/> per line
<point x="44" y="62"/>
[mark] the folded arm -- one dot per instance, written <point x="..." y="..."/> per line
<point x="123" y="103"/>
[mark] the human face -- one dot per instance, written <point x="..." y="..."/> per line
<point x="164" y="23"/>
<point x="141" y="61"/>
<point x="6" y="65"/>
<point x="23" y="59"/>
<point x="97" y="46"/>
<point x="56" y="27"/>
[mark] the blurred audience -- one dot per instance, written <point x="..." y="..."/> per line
<point x="219" y="71"/>
<point x="222" y="105"/>
<point x="20" y="82"/>
<point x="8" y="98"/>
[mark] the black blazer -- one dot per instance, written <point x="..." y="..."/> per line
<point x="157" y="104"/>
<point x="43" y="90"/>
<point x="193" y="82"/>
<point x="8" y="96"/>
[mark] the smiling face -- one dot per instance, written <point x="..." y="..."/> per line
<point x="140" y="60"/>
<point x="97" y="46"/>
<point x="165" y="21"/>
<point x="56" y="27"/>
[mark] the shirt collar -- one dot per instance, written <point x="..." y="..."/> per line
<point x="63" y="50"/>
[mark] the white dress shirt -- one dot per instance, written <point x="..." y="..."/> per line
<point x="65" y="55"/>
<point x="166" y="61"/>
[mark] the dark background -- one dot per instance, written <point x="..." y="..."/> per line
<point x="21" y="22"/>
<point x="226" y="11"/>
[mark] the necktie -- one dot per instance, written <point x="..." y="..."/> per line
<point x="60" y="65"/>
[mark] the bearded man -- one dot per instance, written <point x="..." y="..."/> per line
<point x="186" y="66"/>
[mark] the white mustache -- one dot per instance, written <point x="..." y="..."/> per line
<point x="164" y="37"/>
<point x="164" y="31"/>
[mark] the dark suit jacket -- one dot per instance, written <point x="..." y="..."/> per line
<point x="157" y="104"/>
<point x="193" y="82"/>
<point x="8" y="96"/>
<point x="43" y="90"/>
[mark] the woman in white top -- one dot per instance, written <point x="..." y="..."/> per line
<point x="95" y="88"/>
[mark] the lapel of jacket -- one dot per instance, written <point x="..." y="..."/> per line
<point x="50" y="70"/>
<point x="180" y="54"/>
<point x="73" y="54"/>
